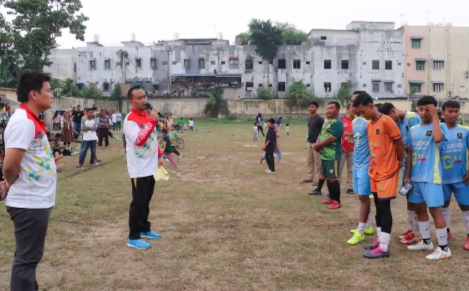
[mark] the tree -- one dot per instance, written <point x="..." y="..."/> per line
<point x="38" y="23"/>
<point x="216" y="104"/>
<point x="266" y="37"/>
<point x="299" y="95"/>
<point x="123" y="58"/>
<point x="290" y="34"/>
<point x="344" y="93"/>
<point x="264" y="94"/>
<point x="246" y="38"/>
<point x="57" y="87"/>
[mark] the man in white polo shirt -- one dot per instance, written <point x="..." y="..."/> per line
<point x="143" y="158"/>
<point x="31" y="177"/>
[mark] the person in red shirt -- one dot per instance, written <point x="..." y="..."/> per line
<point x="347" y="146"/>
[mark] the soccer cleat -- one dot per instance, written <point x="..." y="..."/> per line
<point x="315" y="192"/>
<point x="411" y="240"/>
<point x="439" y="254"/>
<point x="327" y="201"/>
<point x="150" y="235"/>
<point x="374" y="244"/>
<point x="335" y="205"/>
<point x="466" y="245"/>
<point x="449" y="234"/>
<point x="377" y="253"/>
<point x="138" y="244"/>
<point x="368" y="231"/>
<point x="421" y="246"/>
<point x="405" y="234"/>
<point x="356" y="239"/>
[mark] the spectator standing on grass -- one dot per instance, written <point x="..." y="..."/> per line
<point x="287" y="129"/>
<point x="103" y="128"/>
<point x="31" y="178"/>
<point x="181" y="125"/>
<point x="144" y="156"/>
<point x="191" y="124"/>
<point x="168" y="147"/>
<point x="114" y="121"/>
<point x="88" y="127"/>
<point x="77" y="115"/>
<point x="118" y="120"/>
<point x="255" y="131"/>
<point x="67" y="130"/>
<point x="347" y="146"/>
<point x="260" y="123"/>
<point x="315" y="123"/>
<point x="270" y="145"/>
<point x="330" y="150"/>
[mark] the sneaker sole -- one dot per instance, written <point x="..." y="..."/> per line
<point x="149" y="237"/>
<point x="372" y="258"/>
<point x="135" y="247"/>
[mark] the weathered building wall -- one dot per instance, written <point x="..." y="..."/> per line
<point x="64" y="64"/>
<point x="411" y="54"/>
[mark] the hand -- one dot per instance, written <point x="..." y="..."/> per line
<point x="466" y="178"/>
<point x="406" y="181"/>
<point x="160" y="162"/>
<point x="263" y="148"/>
<point x="4" y="186"/>
<point x="432" y="110"/>
<point x="154" y="114"/>
<point x="317" y="147"/>
<point x="88" y="127"/>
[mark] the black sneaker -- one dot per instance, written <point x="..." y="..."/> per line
<point x="350" y="191"/>
<point x="315" y="192"/>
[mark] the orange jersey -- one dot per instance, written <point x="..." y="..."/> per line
<point x="383" y="159"/>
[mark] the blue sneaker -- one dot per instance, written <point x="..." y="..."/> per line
<point x="138" y="244"/>
<point x="150" y="235"/>
<point x="377" y="253"/>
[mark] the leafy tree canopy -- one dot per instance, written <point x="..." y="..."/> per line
<point x="299" y="95"/>
<point x="290" y="34"/>
<point x="266" y="37"/>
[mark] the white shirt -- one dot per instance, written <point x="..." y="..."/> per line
<point x="114" y="118"/>
<point x="287" y="128"/>
<point x="36" y="184"/>
<point x="191" y="123"/>
<point x="255" y="129"/>
<point x="142" y="149"/>
<point x="170" y="122"/>
<point x="90" y="134"/>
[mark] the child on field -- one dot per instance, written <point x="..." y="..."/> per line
<point x="191" y="124"/>
<point x="168" y="148"/>
<point x="56" y="149"/>
<point x="173" y="135"/>
<point x="270" y="145"/>
<point x="255" y="131"/>
<point x="287" y="128"/>
<point x="277" y="150"/>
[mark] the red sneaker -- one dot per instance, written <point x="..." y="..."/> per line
<point x="449" y="234"/>
<point x="466" y="245"/>
<point x="327" y="201"/>
<point x="335" y="205"/>
<point x="405" y="234"/>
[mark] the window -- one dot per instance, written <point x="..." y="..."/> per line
<point x="375" y="65"/>
<point x="308" y="85"/>
<point x="105" y="87"/>
<point x="260" y="62"/>
<point x="399" y="86"/>
<point x="388" y="87"/>
<point x="201" y="63"/>
<point x="282" y="64"/>
<point x="249" y="86"/>
<point x="364" y="85"/>
<point x="323" y="37"/>
<point x="327" y="64"/>
<point x="375" y="87"/>
<point x="260" y="85"/>
<point x="344" y="64"/>
<point x="388" y="65"/>
<point x="327" y="86"/>
<point x="107" y="64"/>
<point x="234" y="64"/>
<point x="213" y="63"/>
<point x="438" y="65"/>
<point x="416" y="43"/>
<point x="281" y="86"/>
<point x="296" y="64"/>
<point x="417" y="88"/>
<point x="173" y="63"/>
<point x="187" y="63"/>
<point x="307" y="63"/>
<point x="420" y="65"/>
<point x="138" y="63"/>
<point x="92" y="65"/>
<point x="223" y="62"/>
<point x="153" y="63"/>
<point x="165" y="63"/>
<point x="74" y="67"/>
<point x="438" y="87"/>
<point x="270" y="85"/>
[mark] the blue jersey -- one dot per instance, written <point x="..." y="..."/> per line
<point x="361" y="148"/>
<point x="454" y="154"/>
<point x="426" y="162"/>
<point x="410" y="119"/>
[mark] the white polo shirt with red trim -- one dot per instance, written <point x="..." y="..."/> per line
<point x="36" y="185"/>
<point x="142" y="148"/>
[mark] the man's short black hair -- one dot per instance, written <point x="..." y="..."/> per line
<point x="164" y="130"/>
<point x="358" y="92"/>
<point x="271" y="120"/>
<point x="337" y="105"/>
<point x="58" y="134"/>
<point x="30" y="81"/>
<point x="427" y="100"/>
<point x="314" y="103"/>
<point x="363" y="99"/>
<point x="130" y="93"/>
<point x="386" y="108"/>
<point x="88" y="109"/>
<point x="349" y="105"/>
<point x="378" y="105"/>
<point x="450" y="104"/>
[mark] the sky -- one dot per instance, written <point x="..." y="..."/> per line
<point x="150" y="21"/>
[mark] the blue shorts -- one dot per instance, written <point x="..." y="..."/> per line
<point x="460" y="190"/>
<point x="256" y="134"/>
<point x="361" y="182"/>
<point x="428" y="193"/>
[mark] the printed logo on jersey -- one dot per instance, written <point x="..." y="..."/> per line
<point x="377" y="131"/>
<point x="429" y="133"/>
<point x="407" y="128"/>
<point x="459" y="135"/>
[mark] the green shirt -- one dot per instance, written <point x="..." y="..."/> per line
<point x="173" y="134"/>
<point x="181" y="122"/>
<point x="335" y="128"/>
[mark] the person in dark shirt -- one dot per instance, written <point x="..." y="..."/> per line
<point x="168" y="147"/>
<point x="77" y="115"/>
<point x="270" y="145"/>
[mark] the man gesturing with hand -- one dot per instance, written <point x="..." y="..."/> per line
<point x="143" y="157"/>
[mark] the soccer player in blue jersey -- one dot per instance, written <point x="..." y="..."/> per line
<point x="454" y="163"/>
<point x="405" y="120"/>
<point x="423" y="170"/>
<point x="361" y="179"/>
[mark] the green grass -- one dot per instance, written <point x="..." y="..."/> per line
<point x="226" y="225"/>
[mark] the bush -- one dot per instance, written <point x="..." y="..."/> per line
<point x="264" y="94"/>
<point x="216" y="104"/>
<point x="231" y="117"/>
<point x="299" y="95"/>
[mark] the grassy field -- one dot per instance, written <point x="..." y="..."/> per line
<point x="226" y="225"/>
